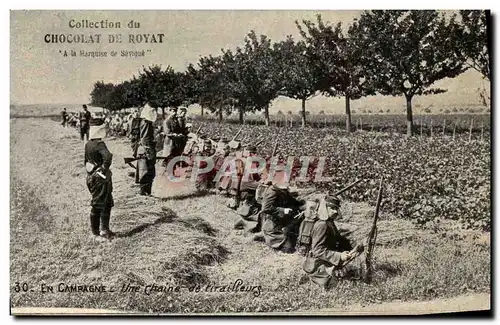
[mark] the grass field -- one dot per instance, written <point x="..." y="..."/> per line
<point x="181" y="240"/>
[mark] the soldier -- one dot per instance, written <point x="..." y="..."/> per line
<point x="183" y="120"/>
<point x="134" y="132"/>
<point x="174" y="137"/>
<point x="97" y="163"/>
<point x="224" y="183"/>
<point x="280" y="227"/>
<point x="146" y="151"/>
<point x="84" y="122"/>
<point x="64" y="117"/>
<point x="239" y="183"/>
<point x="204" y="181"/>
<point x="329" y="250"/>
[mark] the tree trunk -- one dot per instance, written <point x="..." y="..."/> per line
<point x="266" y="115"/>
<point x="409" y="117"/>
<point x="201" y="111"/>
<point x="303" y="112"/>
<point x="220" y="114"/>
<point x="348" y="122"/>
<point x="163" y="112"/>
<point x="241" y="115"/>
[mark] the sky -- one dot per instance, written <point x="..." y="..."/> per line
<point x="41" y="74"/>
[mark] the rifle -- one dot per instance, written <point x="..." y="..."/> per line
<point x="129" y="160"/>
<point x="199" y="129"/>
<point x="275" y="148"/>
<point x="259" y="142"/>
<point x="372" y="237"/>
<point x="247" y="144"/>
<point x="237" y="133"/>
<point x="347" y="187"/>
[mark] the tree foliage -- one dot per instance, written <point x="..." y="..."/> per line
<point x="396" y="52"/>
<point x="473" y="40"/>
<point x="338" y="61"/>
<point x="301" y="77"/>
<point x="408" y="51"/>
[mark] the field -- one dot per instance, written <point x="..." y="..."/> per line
<point x="433" y="242"/>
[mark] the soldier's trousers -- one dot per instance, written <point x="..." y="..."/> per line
<point x="146" y="173"/>
<point x="84" y="131"/>
<point x="99" y="216"/>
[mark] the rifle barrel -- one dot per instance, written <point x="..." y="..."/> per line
<point x="379" y="199"/>
<point x="237" y="133"/>
<point x="347" y="187"/>
<point x="275" y="148"/>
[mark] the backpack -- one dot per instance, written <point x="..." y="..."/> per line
<point x="304" y="240"/>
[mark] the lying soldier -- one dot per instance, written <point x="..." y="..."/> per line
<point x="329" y="251"/>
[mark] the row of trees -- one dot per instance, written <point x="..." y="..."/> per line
<point x="390" y="52"/>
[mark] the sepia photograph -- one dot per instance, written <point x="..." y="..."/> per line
<point x="250" y="162"/>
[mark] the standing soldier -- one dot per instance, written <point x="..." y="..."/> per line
<point x="84" y="122"/>
<point x="97" y="163"/>
<point x="173" y="143"/>
<point x="146" y="151"/>
<point x="183" y="119"/>
<point x="64" y="117"/>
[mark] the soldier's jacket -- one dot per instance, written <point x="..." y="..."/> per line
<point x="172" y="146"/>
<point x="84" y="118"/>
<point x="97" y="153"/>
<point x="147" y="141"/>
<point x="182" y="125"/>
<point x="278" y="228"/>
<point x="324" y="255"/>
<point x="146" y="167"/>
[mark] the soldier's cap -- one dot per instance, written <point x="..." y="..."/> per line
<point x="332" y="202"/>
<point x="252" y="148"/>
<point x="84" y="106"/>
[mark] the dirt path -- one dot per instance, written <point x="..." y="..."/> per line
<point x="180" y="237"/>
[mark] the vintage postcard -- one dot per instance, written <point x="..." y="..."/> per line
<point x="233" y="162"/>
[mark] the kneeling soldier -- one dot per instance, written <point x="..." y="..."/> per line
<point x="280" y="227"/>
<point x="329" y="251"/>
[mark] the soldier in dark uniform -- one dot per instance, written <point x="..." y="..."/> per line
<point x="329" y="249"/>
<point x="134" y="133"/>
<point x="173" y="145"/>
<point x="64" y="117"/>
<point x="84" y="122"/>
<point x="97" y="163"/>
<point x="146" y="151"/>
<point x="280" y="228"/>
